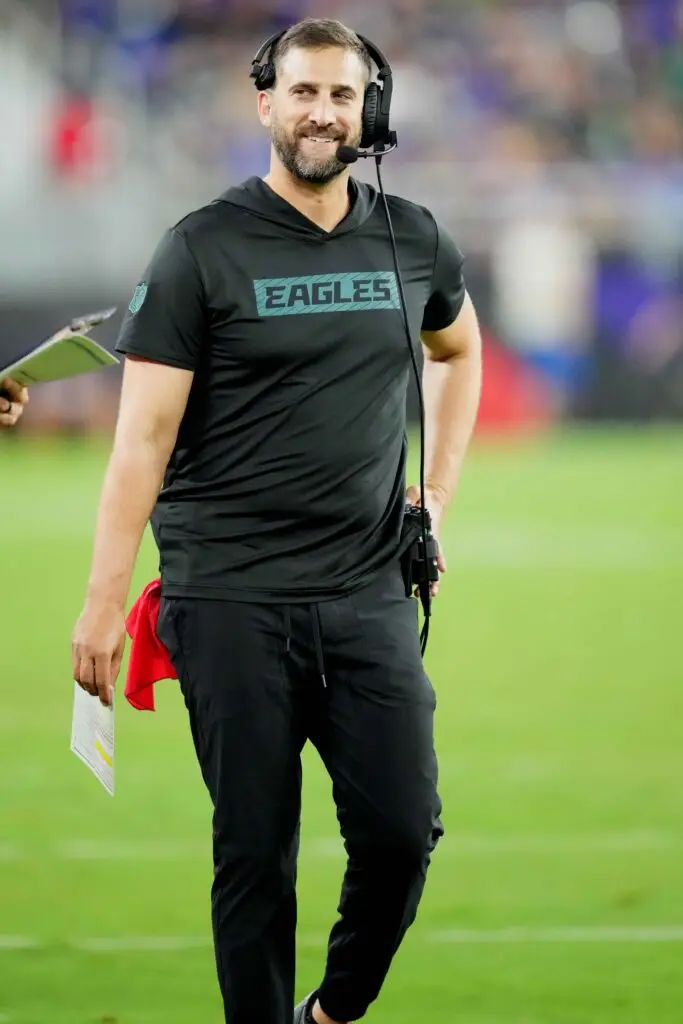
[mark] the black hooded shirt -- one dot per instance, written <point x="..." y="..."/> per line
<point x="287" y="480"/>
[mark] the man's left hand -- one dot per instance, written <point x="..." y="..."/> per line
<point x="436" y="507"/>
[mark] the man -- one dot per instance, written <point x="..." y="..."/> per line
<point x="13" y="398"/>
<point x="265" y="385"/>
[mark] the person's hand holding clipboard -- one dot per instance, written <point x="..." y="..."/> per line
<point x="68" y="353"/>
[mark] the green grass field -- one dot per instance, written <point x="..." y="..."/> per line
<point x="557" y="895"/>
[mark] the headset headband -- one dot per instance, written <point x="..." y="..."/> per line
<point x="384" y="73"/>
<point x="374" y="51"/>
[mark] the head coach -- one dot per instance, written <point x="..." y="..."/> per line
<point x="262" y="428"/>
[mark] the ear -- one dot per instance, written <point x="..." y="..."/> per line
<point x="265" y="107"/>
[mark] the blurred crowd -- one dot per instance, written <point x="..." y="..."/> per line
<point x="548" y="136"/>
<point x="492" y="81"/>
<point x="495" y="83"/>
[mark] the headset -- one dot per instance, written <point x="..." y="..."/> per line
<point x="377" y="139"/>
<point x="376" y="103"/>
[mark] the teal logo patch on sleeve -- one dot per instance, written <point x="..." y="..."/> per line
<point x="139" y="296"/>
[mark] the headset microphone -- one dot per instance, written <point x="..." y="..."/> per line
<point x="377" y="139"/>
<point x="349" y="154"/>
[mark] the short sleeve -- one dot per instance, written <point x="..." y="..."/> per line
<point x="166" y="318"/>
<point x="448" y="285"/>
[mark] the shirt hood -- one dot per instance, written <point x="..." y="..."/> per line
<point x="255" y="196"/>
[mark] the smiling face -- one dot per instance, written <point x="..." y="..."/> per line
<point x="315" y="106"/>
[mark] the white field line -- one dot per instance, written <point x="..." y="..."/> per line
<point x="542" y="546"/>
<point x="516" y="935"/>
<point x="492" y="845"/>
<point x="10" y="943"/>
<point x="554" y="934"/>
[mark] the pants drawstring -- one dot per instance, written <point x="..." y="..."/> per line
<point x="288" y="628"/>
<point x="317" y="637"/>
<point x="317" y="640"/>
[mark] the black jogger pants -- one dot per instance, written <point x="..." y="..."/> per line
<point x="258" y="681"/>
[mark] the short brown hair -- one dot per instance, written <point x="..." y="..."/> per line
<point x="317" y="33"/>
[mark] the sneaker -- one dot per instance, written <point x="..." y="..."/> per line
<point x="302" y="1012"/>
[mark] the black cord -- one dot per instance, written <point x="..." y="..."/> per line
<point x="425" y="587"/>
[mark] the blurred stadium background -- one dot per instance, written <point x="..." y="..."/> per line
<point x="548" y="137"/>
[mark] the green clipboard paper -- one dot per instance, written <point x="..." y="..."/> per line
<point x="68" y="353"/>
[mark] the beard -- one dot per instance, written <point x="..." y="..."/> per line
<point x="316" y="169"/>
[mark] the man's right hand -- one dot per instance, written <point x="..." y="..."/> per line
<point x="12" y="402"/>
<point x="97" y="646"/>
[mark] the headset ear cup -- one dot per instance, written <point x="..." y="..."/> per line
<point x="370" y="112"/>
<point x="266" y="78"/>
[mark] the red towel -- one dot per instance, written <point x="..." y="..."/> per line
<point x="149" y="660"/>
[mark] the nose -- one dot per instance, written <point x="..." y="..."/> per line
<point x="322" y="112"/>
